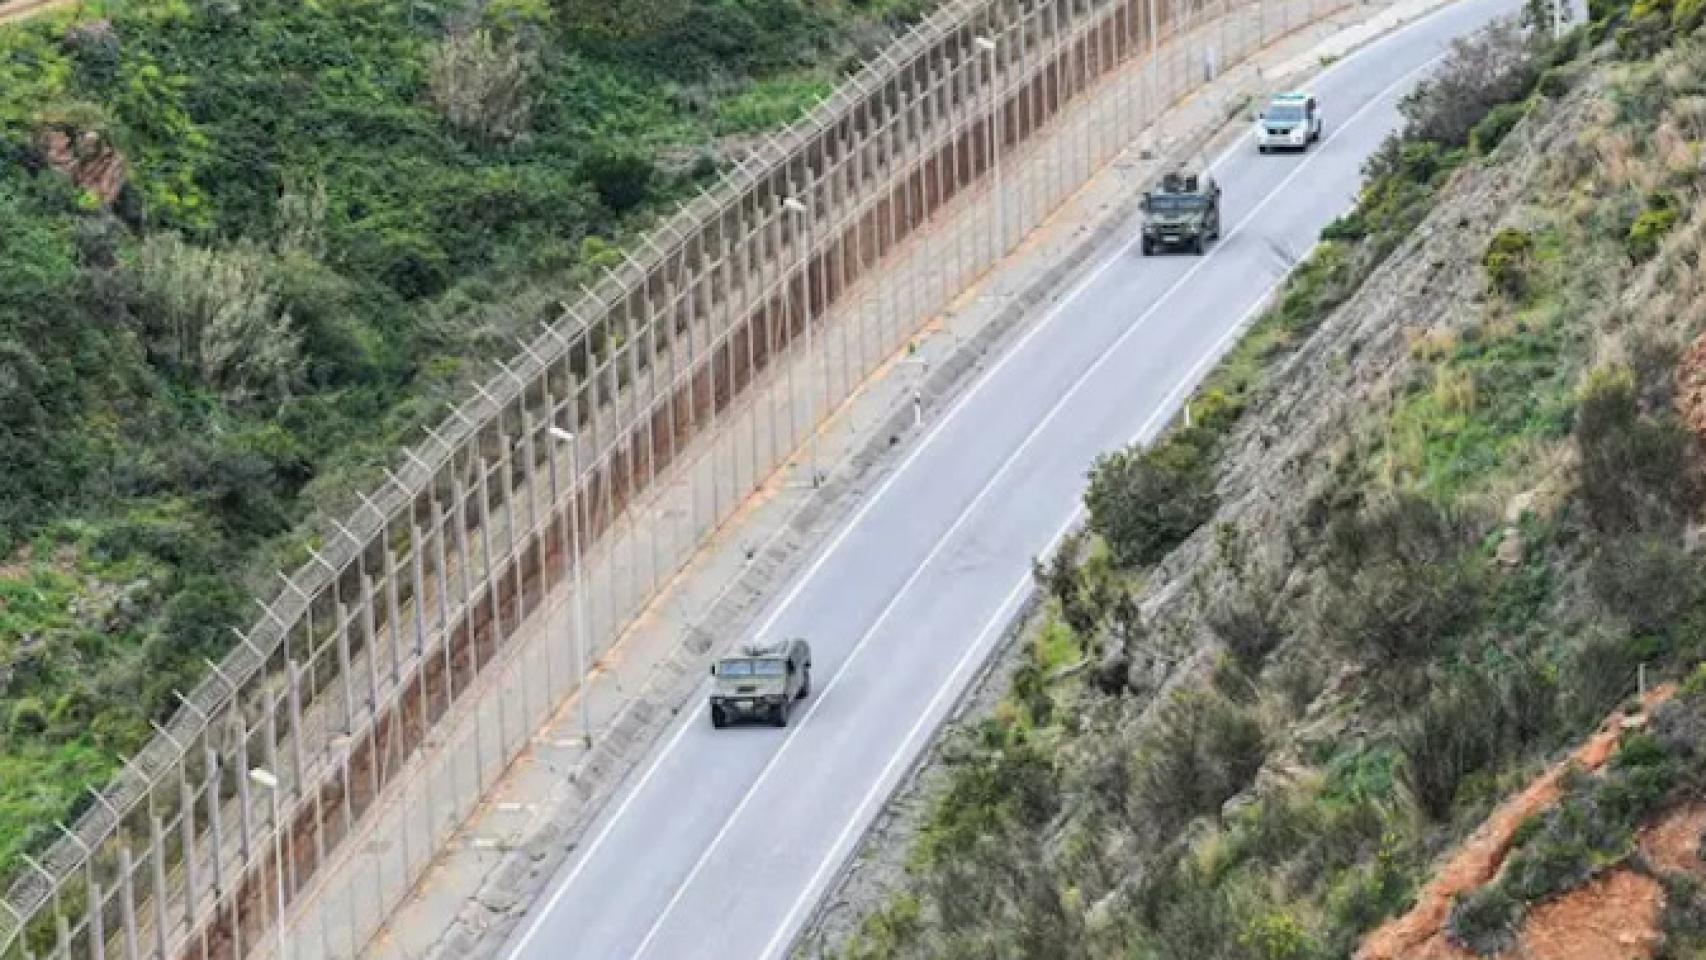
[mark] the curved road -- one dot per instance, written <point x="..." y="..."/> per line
<point x="721" y="846"/>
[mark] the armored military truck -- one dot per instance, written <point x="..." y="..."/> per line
<point x="1289" y="121"/>
<point x="761" y="682"/>
<point x="1183" y="211"/>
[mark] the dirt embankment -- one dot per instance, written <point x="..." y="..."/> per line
<point x="1617" y="912"/>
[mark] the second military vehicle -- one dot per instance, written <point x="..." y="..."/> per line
<point x="761" y="682"/>
<point x="1183" y="211"/>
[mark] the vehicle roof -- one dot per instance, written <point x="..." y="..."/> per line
<point x="1291" y="95"/>
<point x="764" y="651"/>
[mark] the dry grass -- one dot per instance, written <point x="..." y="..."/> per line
<point x="23" y="9"/>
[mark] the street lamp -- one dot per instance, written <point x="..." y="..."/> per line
<point x="266" y="779"/>
<point x="987" y="45"/>
<point x="795" y="206"/>
<point x="568" y="439"/>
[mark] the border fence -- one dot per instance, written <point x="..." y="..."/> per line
<point x="616" y="441"/>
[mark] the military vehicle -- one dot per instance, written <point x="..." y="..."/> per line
<point x="1290" y="121"/>
<point x="761" y="682"/>
<point x="1182" y="211"/>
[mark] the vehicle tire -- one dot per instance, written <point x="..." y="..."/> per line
<point x="1261" y="148"/>
<point x="805" y="685"/>
<point x="1148" y="248"/>
<point x="779" y="716"/>
<point x="1197" y="245"/>
<point x="717" y="718"/>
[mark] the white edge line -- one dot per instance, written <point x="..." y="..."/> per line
<point x="1054" y="312"/>
<point x="989" y="485"/>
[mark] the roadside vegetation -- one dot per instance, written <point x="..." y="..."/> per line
<point x="1275" y="679"/>
<point x="248" y="247"/>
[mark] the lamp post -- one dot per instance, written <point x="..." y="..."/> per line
<point x="266" y="779"/>
<point x="987" y="45"/>
<point x="569" y="440"/>
<point x="797" y="207"/>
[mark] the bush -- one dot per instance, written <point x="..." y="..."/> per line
<point x="1202" y="750"/>
<point x="214" y="315"/>
<point x="480" y="84"/>
<point x="1452" y="735"/>
<point x="1492" y="129"/>
<point x="29" y="718"/>
<point x="1651" y="226"/>
<point x="622" y="178"/>
<point x="1648" y="581"/>
<point x="1507" y="261"/>
<point x="1397" y="582"/>
<point x="1144" y="503"/>
<point x="1686" y="15"/>
<point x="1634" y="468"/>
<point x="1246" y="617"/>
<point x="1484" y="921"/>
<point x="1599" y="673"/>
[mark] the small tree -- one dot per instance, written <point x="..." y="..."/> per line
<point x="480" y="84"/>
<point x="214" y="314"/>
<point x="1146" y="502"/>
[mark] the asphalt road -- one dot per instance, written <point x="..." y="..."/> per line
<point x="720" y="847"/>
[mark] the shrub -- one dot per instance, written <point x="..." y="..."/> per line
<point x="1492" y="129"/>
<point x="1397" y="583"/>
<point x="1651" y="226"/>
<point x="1246" y="616"/>
<point x="621" y="177"/>
<point x="1507" y="260"/>
<point x="1649" y="581"/>
<point x="1599" y="672"/>
<point x="214" y="314"/>
<point x="1684" y="917"/>
<point x="480" y="85"/>
<point x="29" y="718"/>
<point x="1484" y="921"/>
<point x="1202" y="750"/>
<point x="1634" y="468"/>
<point x="1276" y="935"/>
<point x="1687" y="14"/>
<point x="1453" y="734"/>
<point x="598" y="21"/>
<point x="1144" y="503"/>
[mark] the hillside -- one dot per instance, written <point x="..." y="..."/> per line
<point x="248" y="248"/>
<point x="1426" y="524"/>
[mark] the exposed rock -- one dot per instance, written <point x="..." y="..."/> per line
<point x="1511" y="548"/>
<point x="87" y="157"/>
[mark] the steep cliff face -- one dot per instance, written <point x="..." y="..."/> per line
<point x="1453" y="488"/>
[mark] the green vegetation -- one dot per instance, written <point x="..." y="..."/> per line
<point x="249" y="249"/>
<point x="1462" y="580"/>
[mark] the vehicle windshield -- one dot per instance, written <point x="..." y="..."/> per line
<point x="1176" y="202"/>
<point x="751" y="668"/>
<point x="1285" y="112"/>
